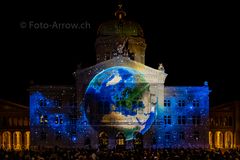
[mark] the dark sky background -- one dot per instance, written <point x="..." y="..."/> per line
<point x="196" y="42"/>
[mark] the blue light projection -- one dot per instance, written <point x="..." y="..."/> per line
<point x="53" y="121"/>
<point x="183" y="123"/>
<point x="118" y="100"/>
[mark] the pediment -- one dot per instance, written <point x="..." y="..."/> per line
<point x="151" y="74"/>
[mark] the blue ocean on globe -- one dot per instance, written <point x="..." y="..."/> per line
<point x="118" y="100"/>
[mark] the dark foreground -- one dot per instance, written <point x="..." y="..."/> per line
<point x="148" y="154"/>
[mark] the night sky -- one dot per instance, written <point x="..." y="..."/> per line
<point x="196" y="42"/>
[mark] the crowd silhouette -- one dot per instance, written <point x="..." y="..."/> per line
<point x="122" y="154"/>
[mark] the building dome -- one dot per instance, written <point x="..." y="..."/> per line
<point x="121" y="28"/>
<point x="120" y="37"/>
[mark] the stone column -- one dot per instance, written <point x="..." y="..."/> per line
<point x="213" y="140"/>
<point x="223" y="139"/>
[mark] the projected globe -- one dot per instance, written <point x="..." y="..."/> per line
<point x="117" y="100"/>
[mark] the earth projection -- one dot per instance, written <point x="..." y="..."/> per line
<point x="118" y="100"/>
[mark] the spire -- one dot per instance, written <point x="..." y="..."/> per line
<point x="120" y="13"/>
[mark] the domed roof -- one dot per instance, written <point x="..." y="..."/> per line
<point x="120" y="27"/>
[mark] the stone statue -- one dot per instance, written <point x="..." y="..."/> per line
<point x="120" y="47"/>
<point x="160" y="67"/>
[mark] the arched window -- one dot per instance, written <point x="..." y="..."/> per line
<point x="218" y="137"/>
<point x="228" y="139"/>
<point x="6" y="140"/>
<point x="27" y="140"/>
<point x="103" y="140"/>
<point x="120" y="139"/>
<point x="17" y="140"/>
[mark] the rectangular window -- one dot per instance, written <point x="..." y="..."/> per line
<point x="58" y="135"/>
<point x="196" y="120"/>
<point x="60" y="103"/>
<point x="167" y="135"/>
<point x="60" y="119"/>
<point x="196" y="136"/>
<point x="42" y="103"/>
<point x="167" y="120"/>
<point x="73" y="119"/>
<point x="56" y="119"/>
<point x="195" y="103"/>
<point x="157" y="122"/>
<point x="167" y="103"/>
<point x="181" y="103"/>
<point x="181" y="119"/>
<point x="120" y="141"/>
<point x="181" y="135"/>
<point x="43" y="136"/>
<point x="45" y="119"/>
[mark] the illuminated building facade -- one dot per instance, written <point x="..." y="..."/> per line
<point x="225" y="126"/>
<point x="52" y="114"/>
<point x="14" y="126"/>
<point x="119" y="95"/>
